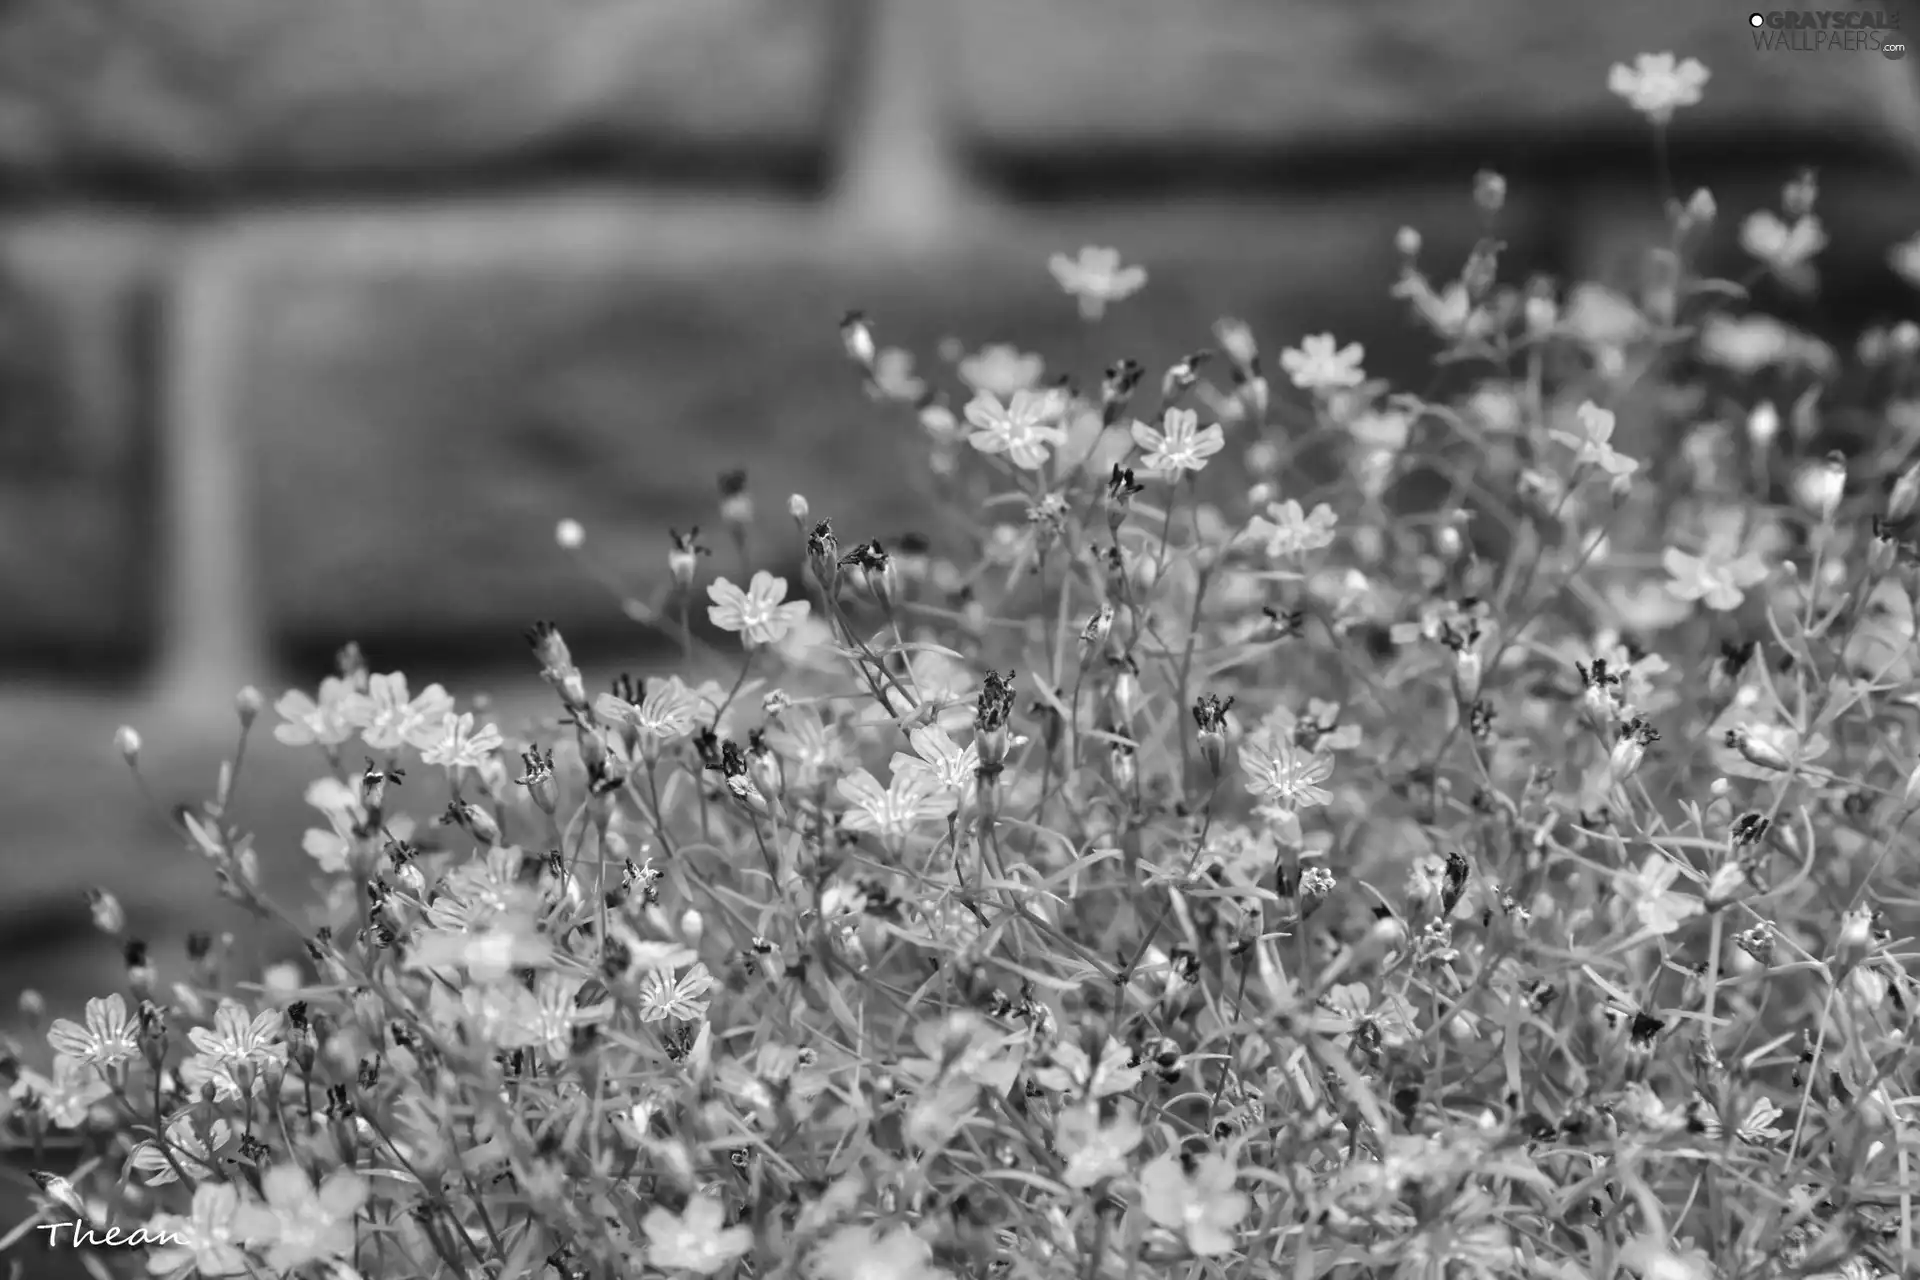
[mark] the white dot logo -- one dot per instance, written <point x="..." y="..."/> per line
<point x="1756" y="19"/>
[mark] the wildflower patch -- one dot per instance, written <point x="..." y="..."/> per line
<point x="1182" y="862"/>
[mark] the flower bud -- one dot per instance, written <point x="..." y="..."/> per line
<point x="692" y="927"/>
<point x="569" y="535"/>
<point x="1758" y="745"/>
<point x="1797" y="197"/>
<point x="479" y="822"/>
<point x="139" y="970"/>
<point x="1407" y="242"/>
<point x="539" y="780"/>
<point x="991" y="711"/>
<point x="1210" y="720"/>
<point x="1098" y="628"/>
<point x="1123" y="696"/>
<point x="1242" y="352"/>
<point x="108" y="916"/>
<point x="1183" y="374"/>
<point x="1882" y="552"/>
<point x="126" y="740"/>
<point x="684" y="556"/>
<point x="1121" y="488"/>
<point x="247" y="704"/>
<point x="736" y="504"/>
<point x="1854" y="940"/>
<point x="823" y="555"/>
<point x="1256" y="396"/>
<point x="1542" y="313"/>
<point x="1260" y="495"/>
<point x="1122" y="767"/>
<point x="1905" y="490"/>
<point x="1763" y="424"/>
<point x="1757" y="942"/>
<point x="857" y="338"/>
<point x="1626" y="756"/>
<point x="798" y="508"/>
<point x="1117" y="389"/>
<point x="33" y="1008"/>
<point x="549" y="646"/>
<point x="1828" y="485"/>
<point x="1489" y="191"/>
<point x="1467" y="673"/>
<point x="1701" y="208"/>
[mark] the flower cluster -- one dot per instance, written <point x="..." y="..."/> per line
<point x="1255" y="861"/>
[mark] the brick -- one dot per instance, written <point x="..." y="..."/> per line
<point x="1099" y="83"/>
<point x="424" y="396"/>
<point x="223" y="94"/>
<point x="76" y="487"/>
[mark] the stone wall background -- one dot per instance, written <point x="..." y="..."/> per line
<point x="314" y="317"/>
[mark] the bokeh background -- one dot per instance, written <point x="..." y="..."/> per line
<point x="316" y="315"/>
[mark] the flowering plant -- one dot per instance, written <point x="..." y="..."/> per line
<point x="1227" y="869"/>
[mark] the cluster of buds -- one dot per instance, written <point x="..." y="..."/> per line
<point x="556" y="666"/>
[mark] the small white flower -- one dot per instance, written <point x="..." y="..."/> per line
<point x="1180" y="446"/>
<point x="1288" y="530"/>
<point x="1096" y="278"/>
<point x="106" y="1040"/>
<point x="1783" y="248"/>
<point x="947" y="767"/>
<point x="1650" y="891"/>
<point x="459" y="746"/>
<point x="892" y="811"/>
<point x="1319" y="363"/>
<point x="1657" y="84"/>
<point x="1001" y="369"/>
<point x="758" y="614"/>
<point x="1024" y="428"/>
<point x="1592" y="443"/>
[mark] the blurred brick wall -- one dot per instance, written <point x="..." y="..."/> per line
<point x="318" y="316"/>
<point x="314" y="317"/>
